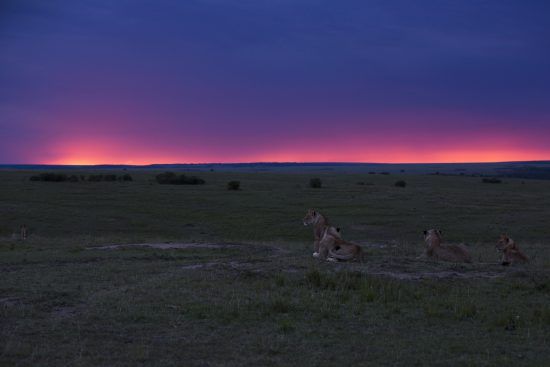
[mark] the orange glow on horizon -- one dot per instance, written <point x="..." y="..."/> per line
<point x="450" y="156"/>
<point x="96" y="151"/>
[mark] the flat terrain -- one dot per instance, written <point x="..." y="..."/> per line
<point x="128" y="273"/>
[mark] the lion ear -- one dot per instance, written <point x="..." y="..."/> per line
<point x="440" y="232"/>
<point x="425" y="233"/>
<point x="313" y="211"/>
<point x="337" y="229"/>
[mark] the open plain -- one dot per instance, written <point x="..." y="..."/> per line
<point x="126" y="273"/>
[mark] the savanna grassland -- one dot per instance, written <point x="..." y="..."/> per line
<point x="252" y="294"/>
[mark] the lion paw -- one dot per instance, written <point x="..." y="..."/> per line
<point x="332" y="259"/>
<point x="315" y="254"/>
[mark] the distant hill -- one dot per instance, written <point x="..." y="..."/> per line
<point x="528" y="169"/>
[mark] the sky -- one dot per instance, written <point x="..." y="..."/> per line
<point x="194" y="81"/>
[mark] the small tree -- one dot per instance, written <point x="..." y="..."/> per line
<point x="401" y="183"/>
<point x="492" y="180"/>
<point x="315" y="183"/>
<point x="234" y="185"/>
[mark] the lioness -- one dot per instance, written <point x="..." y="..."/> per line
<point x="454" y="253"/>
<point x="336" y="248"/>
<point x="320" y="224"/>
<point x="510" y="251"/>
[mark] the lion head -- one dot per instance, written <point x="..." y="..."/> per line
<point x="311" y="217"/>
<point x="503" y="242"/>
<point x="433" y="236"/>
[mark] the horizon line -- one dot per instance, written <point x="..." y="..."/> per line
<point x="264" y="162"/>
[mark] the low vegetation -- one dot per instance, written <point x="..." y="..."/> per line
<point x="260" y="298"/>
<point x="315" y="183"/>
<point x="492" y="180"/>
<point x="63" y="177"/>
<point x="173" y="179"/>
<point x="234" y="185"/>
<point x="400" y="183"/>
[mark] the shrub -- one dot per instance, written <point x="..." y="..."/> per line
<point x="233" y="185"/>
<point x="400" y="183"/>
<point x="491" y="180"/>
<point x="127" y="177"/>
<point x="61" y="177"/>
<point x="193" y="180"/>
<point x="95" y="178"/>
<point x="166" y="178"/>
<point x="173" y="179"/>
<point x="50" y="177"/>
<point x="315" y="183"/>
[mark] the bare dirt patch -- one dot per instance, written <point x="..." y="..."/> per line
<point x="435" y="275"/>
<point x="167" y="246"/>
<point x="408" y="268"/>
<point x="63" y="312"/>
<point x="190" y="245"/>
<point x="9" y="301"/>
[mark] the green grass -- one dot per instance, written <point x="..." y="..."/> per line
<point x="265" y="301"/>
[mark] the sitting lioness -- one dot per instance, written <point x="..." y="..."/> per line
<point x="320" y="224"/>
<point x="510" y="251"/>
<point x="438" y="251"/>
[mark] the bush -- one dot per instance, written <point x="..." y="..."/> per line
<point x="95" y="178"/>
<point x="491" y="180"/>
<point x="315" y="183"/>
<point x="400" y="183"/>
<point x="166" y="178"/>
<point x="61" y="177"/>
<point x="192" y="180"/>
<point x="171" y="178"/>
<point x="50" y="177"/>
<point x="234" y="185"/>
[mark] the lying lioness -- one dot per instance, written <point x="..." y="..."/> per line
<point x="438" y="251"/>
<point x="336" y="248"/>
<point x="510" y="251"/>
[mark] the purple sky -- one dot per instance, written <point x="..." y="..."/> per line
<point x="164" y="81"/>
